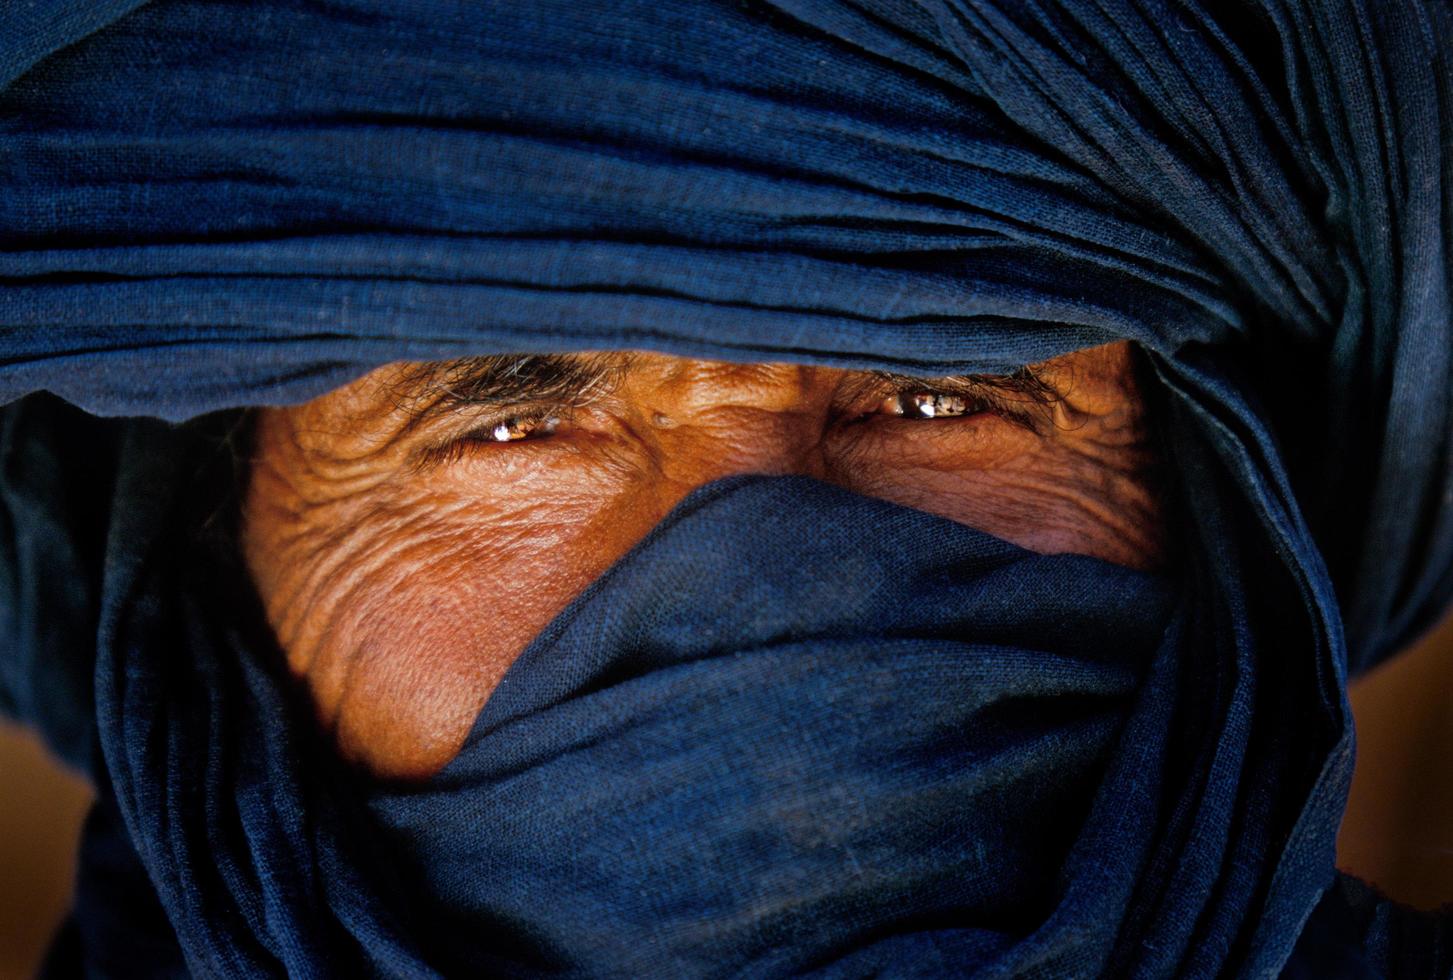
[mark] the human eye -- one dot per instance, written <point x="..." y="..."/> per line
<point x="497" y="433"/>
<point x="1023" y="399"/>
<point x="893" y="422"/>
<point x="514" y="428"/>
<point x="929" y="404"/>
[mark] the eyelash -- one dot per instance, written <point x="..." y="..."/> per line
<point x="514" y="428"/>
<point x="929" y="404"/>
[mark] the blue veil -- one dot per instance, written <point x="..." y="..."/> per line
<point x="206" y="205"/>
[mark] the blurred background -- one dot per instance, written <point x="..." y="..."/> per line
<point x="41" y="808"/>
<point x="1398" y="832"/>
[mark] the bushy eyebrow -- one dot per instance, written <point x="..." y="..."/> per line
<point x="1025" y="383"/>
<point x="442" y="387"/>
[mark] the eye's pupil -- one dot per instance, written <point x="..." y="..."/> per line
<point x="932" y="405"/>
<point x="514" y="429"/>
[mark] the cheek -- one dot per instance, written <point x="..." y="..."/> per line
<point x="1050" y="495"/>
<point x="417" y="649"/>
<point x="404" y="626"/>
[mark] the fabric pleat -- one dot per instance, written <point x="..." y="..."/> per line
<point x="212" y="204"/>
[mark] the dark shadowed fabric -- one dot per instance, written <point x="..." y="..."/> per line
<point x="934" y="754"/>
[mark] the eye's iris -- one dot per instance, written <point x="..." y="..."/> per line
<point x="927" y="405"/>
<point x="514" y="429"/>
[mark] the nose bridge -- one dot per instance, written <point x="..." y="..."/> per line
<point x="694" y="387"/>
<point x="717" y="420"/>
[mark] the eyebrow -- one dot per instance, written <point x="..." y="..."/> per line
<point x="439" y="388"/>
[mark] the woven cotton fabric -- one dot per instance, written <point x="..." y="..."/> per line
<point x="209" y="205"/>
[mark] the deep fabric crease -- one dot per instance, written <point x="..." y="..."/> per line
<point x="209" y="204"/>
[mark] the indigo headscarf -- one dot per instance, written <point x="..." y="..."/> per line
<point x="930" y="754"/>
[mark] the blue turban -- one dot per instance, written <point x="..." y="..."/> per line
<point x="935" y="754"/>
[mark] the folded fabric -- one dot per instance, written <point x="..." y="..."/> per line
<point x="208" y="205"/>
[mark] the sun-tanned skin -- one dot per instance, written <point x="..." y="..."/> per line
<point x="406" y="558"/>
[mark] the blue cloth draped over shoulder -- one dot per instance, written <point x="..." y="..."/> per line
<point x="882" y="767"/>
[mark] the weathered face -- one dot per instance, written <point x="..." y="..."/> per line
<point x="411" y="532"/>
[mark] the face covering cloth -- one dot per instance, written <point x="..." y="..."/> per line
<point x="1028" y="765"/>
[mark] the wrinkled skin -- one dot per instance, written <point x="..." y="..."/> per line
<point x="404" y="566"/>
